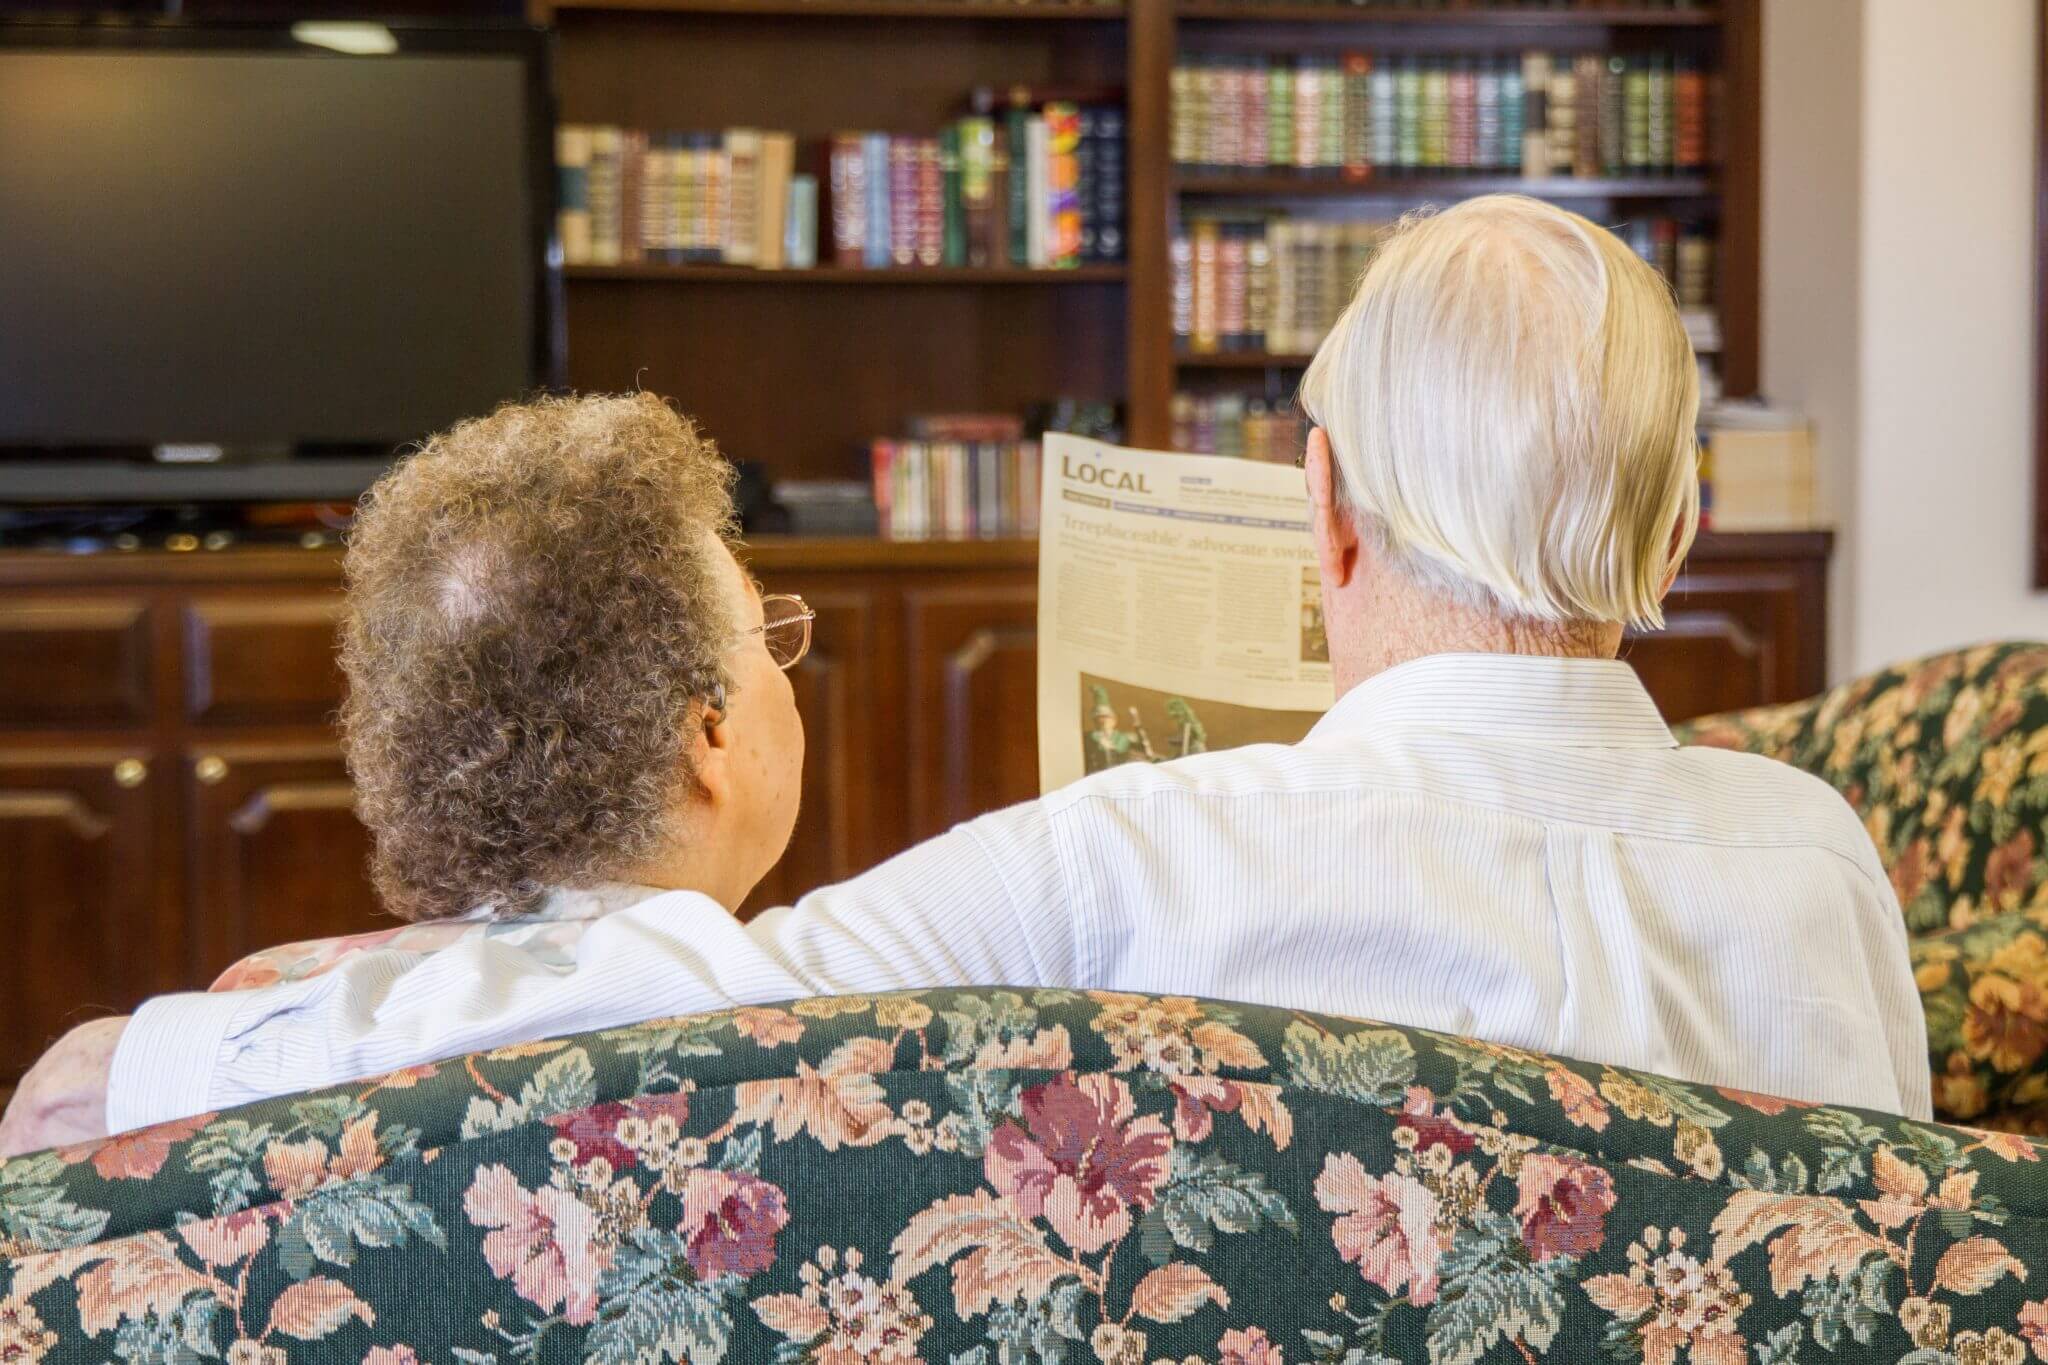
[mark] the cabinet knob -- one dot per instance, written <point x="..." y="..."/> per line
<point x="130" y="772"/>
<point x="210" y="769"/>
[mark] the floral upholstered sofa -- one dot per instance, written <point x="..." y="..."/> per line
<point x="997" y="1177"/>
<point x="1002" y="1177"/>
<point x="1946" y="759"/>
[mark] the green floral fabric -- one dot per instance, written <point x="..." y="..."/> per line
<point x="996" y="1177"/>
<point x="1946" y="760"/>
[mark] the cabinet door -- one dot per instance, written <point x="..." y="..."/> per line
<point x="838" y="685"/>
<point x="972" y="701"/>
<point x="262" y="660"/>
<point x="72" y="661"/>
<point x="277" y="853"/>
<point x="85" y="929"/>
<point x="1734" y="636"/>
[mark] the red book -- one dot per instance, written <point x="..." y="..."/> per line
<point x="1462" y="132"/>
<point x="846" y="188"/>
<point x="1689" y="117"/>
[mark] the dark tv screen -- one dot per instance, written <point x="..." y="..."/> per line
<point x="273" y="251"/>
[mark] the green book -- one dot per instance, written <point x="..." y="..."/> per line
<point x="954" y="251"/>
<point x="1016" y="126"/>
<point x="1280" y="114"/>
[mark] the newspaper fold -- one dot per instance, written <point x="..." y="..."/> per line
<point x="1179" y="608"/>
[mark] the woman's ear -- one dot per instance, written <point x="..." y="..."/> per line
<point x="711" y="751"/>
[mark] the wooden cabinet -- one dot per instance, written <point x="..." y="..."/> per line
<point x="1744" y="626"/>
<point x="275" y="852"/>
<point x="172" y="794"/>
<point x="78" y="838"/>
<point x="972" y="701"/>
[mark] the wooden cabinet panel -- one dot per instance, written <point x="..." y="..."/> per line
<point x="84" y="935"/>
<point x="1732" y="638"/>
<point x="263" y="660"/>
<point x="972" y="718"/>
<point x="74" y="662"/>
<point x="836" y="687"/>
<point x="276" y="852"/>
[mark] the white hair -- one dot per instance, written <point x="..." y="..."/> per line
<point x="1512" y="400"/>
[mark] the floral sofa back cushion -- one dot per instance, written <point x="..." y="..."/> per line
<point x="1946" y="760"/>
<point x="997" y="1177"/>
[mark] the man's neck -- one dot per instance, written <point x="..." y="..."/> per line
<point x="1401" y="622"/>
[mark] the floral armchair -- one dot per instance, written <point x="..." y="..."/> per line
<point x="1946" y="759"/>
<point x="996" y="1177"/>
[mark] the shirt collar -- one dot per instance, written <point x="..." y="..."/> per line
<point x="577" y="902"/>
<point x="1578" y="703"/>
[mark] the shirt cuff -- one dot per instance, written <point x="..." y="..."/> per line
<point x="163" y="1066"/>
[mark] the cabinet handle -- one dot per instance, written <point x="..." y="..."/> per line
<point x="210" y="769"/>
<point x="130" y="772"/>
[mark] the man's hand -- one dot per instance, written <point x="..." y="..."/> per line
<point x="63" y="1098"/>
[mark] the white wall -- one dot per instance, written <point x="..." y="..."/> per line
<point x="1943" y="486"/>
<point x="1811" y="254"/>
<point x="1898" y="305"/>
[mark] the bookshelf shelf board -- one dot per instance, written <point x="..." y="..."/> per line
<point x="1446" y="16"/>
<point x="861" y="9"/>
<point x="1240" y="360"/>
<point x="835" y="274"/>
<point x="1430" y="186"/>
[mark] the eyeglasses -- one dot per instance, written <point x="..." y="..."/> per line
<point x="785" y="628"/>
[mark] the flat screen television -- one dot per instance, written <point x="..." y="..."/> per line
<point x="254" y="261"/>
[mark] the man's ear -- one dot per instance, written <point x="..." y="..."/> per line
<point x="1671" y="551"/>
<point x="711" y="752"/>
<point x="1335" y="535"/>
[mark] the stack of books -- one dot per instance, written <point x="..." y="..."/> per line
<point x="629" y="196"/>
<point x="1232" y="424"/>
<point x="1757" y="469"/>
<point x="965" y="477"/>
<point x="1273" y="285"/>
<point x="1037" y="185"/>
<point x="1539" y="115"/>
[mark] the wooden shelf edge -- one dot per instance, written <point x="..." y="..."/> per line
<point x="867" y="9"/>
<point x="1411" y="186"/>
<point x="1724" y="546"/>
<point x="833" y="274"/>
<point x="1240" y="360"/>
<point x="1446" y="17"/>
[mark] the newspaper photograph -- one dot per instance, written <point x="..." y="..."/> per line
<point x="1179" y="609"/>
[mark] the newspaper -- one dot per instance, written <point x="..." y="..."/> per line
<point x="1179" y="609"/>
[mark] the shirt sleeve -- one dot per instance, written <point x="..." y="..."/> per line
<point x="980" y="905"/>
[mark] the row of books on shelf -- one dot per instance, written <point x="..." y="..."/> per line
<point x="1236" y="424"/>
<point x="1039" y="183"/>
<point x="967" y="476"/>
<point x="1595" y="6"/>
<point x="1039" y="186"/>
<point x="1277" y="284"/>
<point x="628" y="196"/>
<point x="1540" y="114"/>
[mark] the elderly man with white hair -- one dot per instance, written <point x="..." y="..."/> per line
<point x="1491" y="833"/>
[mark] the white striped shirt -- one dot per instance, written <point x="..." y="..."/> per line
<point x="1509" y="848"/>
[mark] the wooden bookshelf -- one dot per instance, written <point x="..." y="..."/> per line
<point x="1306" y="185"/>
<point x="1458" y="16"/>
<point x="800" y="378"/>
<point x="832" y="274"/>
<point x="1239" y="360"/>
<point x="997" y="10"/>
